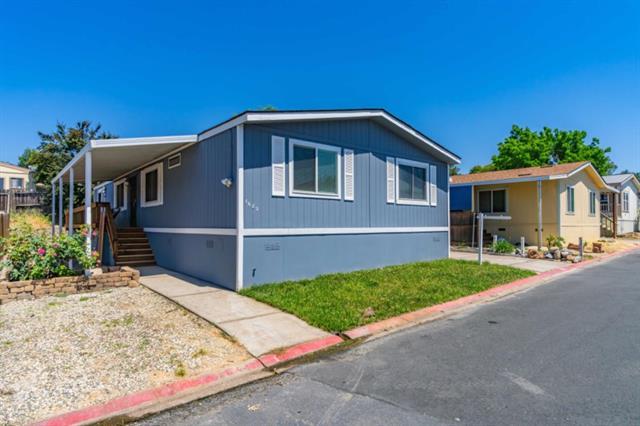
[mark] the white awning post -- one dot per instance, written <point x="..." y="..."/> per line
<point x="539" y="188"/>
<point x="522" y="253"/>
<point x="53" y="209"/>
<point x="60" y="205"/>
<point x="87" y="198"/>
<point x="71" y="178"/>
<point x="480" y="236"/>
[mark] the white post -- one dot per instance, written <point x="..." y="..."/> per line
<point x="71" y="178"/>
<point x="53" y="208"/>
<point x="581" y="249"/>
<point x="60" y="205"/>
<point x="239" y="207"/>
<point x="480" y="236"/>
<point x="495" y="238"/>
<point x="87" y="198"/>
<point x="522" y="253"/>
<point x="539" y="187"/>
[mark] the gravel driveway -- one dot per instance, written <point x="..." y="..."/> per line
<point x="59" y="354"/>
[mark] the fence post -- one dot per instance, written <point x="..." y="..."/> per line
<point x="4" y="224"/>
<point x="581" y="249"/>
<point x="522" y="253"/>
<point x="480" y="237"/>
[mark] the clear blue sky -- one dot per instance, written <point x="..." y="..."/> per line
<point x="462" y="72"/>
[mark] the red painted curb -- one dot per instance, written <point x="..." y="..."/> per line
<point x="269" y="360"/>
<point x="129" y="401"/>
<point x="421" y="314"/>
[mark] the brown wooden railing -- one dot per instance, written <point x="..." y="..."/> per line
<point x="607" y="225"/>
<point x="102" y="222"/>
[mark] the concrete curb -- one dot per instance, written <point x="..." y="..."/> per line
<point x="162" y="395"/>
<point x="433" y="312"/>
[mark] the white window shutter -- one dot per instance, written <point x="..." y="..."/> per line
<point x="277" y="166"/>
<point x="433" y="185"/>
<point x="391" y="180"/>
<point x="349" y="160"/>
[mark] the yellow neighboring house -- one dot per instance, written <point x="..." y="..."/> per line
<point x="13" y="177"/>
<point x="561" y="199"/>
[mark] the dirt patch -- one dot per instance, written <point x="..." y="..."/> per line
<point x="59" y="354"/>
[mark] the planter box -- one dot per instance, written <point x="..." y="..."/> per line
<point x="100" y="279"/>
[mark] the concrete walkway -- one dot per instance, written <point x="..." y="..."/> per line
<point x="258" y="327"/>
<point x="535" y="265"/>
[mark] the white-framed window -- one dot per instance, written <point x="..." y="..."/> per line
<point x="592" y="203"/>
<point x="571" y="199"/>
<point x="120" y="195"/>
<point x="16" y="183"/>
<point x="151" y="186"/>
<point x="174" y="161"/>
<point x="604" y="202"/>
<point x="314" y="170"/>
<point x="492" y="201"/>
<point x="412" y="182"/>
<point x="625" y="202"/>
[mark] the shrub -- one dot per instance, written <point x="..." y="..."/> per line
<point x="32" y="218"/>
<point x="503" y="246"/>
<point x="34" y="254"/>
<point x="555" y="241"/>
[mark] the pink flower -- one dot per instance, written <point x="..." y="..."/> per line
<point x="41" y="251"/>
<point x="56" y="245"/>
<point x="94" y="233"/>
<point x="95" y="253"/>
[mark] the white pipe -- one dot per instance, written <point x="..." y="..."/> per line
<point x="539" y="188"/>
<point x="60" y="205"/>
<point x="71" y="178"/>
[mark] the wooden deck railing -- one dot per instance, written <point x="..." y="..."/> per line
<point x="102" y="221"/>
<point x="607" y="225"/>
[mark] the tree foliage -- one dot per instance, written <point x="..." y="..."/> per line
<point x="56" y="149"/>
<point x="527" y="148"/>
<point x="479" y="168"/>
<point x="454" y="170"/>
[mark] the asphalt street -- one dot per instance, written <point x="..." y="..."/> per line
<point x="567" y="352"/>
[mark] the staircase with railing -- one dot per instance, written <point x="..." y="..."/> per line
<point x="607" y="225"/>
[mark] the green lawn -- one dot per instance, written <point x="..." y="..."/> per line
<point x="337" y="302"/>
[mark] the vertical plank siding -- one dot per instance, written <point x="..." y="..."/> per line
<point x="371" y="143"/>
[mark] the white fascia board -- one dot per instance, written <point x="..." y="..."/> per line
<point x="257" y="117"/>
<point x="133" y="142"/>
<point x="502" y="181"/>
<point x="71" y="163"/>
<point x="100" y="185"/>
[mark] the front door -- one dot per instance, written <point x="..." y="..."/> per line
<point x="133" y="201"/>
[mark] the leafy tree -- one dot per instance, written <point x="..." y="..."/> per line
<point x="268" y="107"/>
<point x="478" y="168"/>
<point x="56" y="149"/>
<point x="527" y="148"/>
<point x="454" y="170"/>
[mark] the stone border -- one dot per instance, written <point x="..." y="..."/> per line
<point x="100" y="279"/>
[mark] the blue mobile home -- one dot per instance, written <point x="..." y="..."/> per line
<point x="272" y="196"/>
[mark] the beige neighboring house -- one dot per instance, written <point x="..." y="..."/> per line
<point x="13" y="177"/>
<point x="561" y="199"/>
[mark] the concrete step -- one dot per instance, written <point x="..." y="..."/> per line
<point x="136" y="262"/>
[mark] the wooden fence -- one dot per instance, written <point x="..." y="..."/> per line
<point x="462" y="227"/>
<point x="12" y="200"/>
<point x="4" y="224"/>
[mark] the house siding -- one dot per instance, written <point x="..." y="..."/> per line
<point x="275" y="259"/>
<point x="580" y="223"/>
<point x="371" y="143"/>
<point x="628" y="221"/>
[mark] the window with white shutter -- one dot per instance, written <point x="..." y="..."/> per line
<point x="391" y="180"/>
<point x="277" y="166"/>
<point x="349" y="160"/>
<point x="433" y="184"/>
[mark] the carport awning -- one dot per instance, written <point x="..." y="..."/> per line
<point x="112" y="158"/>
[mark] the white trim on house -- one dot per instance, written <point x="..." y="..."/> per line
<point x="125" y="195"/>
<point x="308" y="144"/>
<point x="571" y="199"/>
<point x="427" y="189"/>
<point x="193" y="231"/>
<point x="240" y="207"/>
<point x="160" y="186"/>
<point x="264" y="117"/>
<point x="274" y="232"/>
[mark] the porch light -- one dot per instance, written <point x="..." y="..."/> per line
<point x="227" y="182"/>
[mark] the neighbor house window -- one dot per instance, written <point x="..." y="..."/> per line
<point x="592" y="203"/>
<point x="120" y="195"/>
<point x="16" y="183"/>
<point x="151" y="186"/>
<point x="413" y="180"/>
<point x="604" y="202"/>
<point x="625" y="202"/>
<point x="314" y="169"/>
<point x="492" y="201"/>
<point x="571" y="199"/>
<point x="174" y="161"/>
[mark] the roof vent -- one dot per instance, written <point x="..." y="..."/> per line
<point x="524" y="174"/>
<point x="546" y="165"/>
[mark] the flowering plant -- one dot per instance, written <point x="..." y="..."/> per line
<point x="34" y="254"/>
